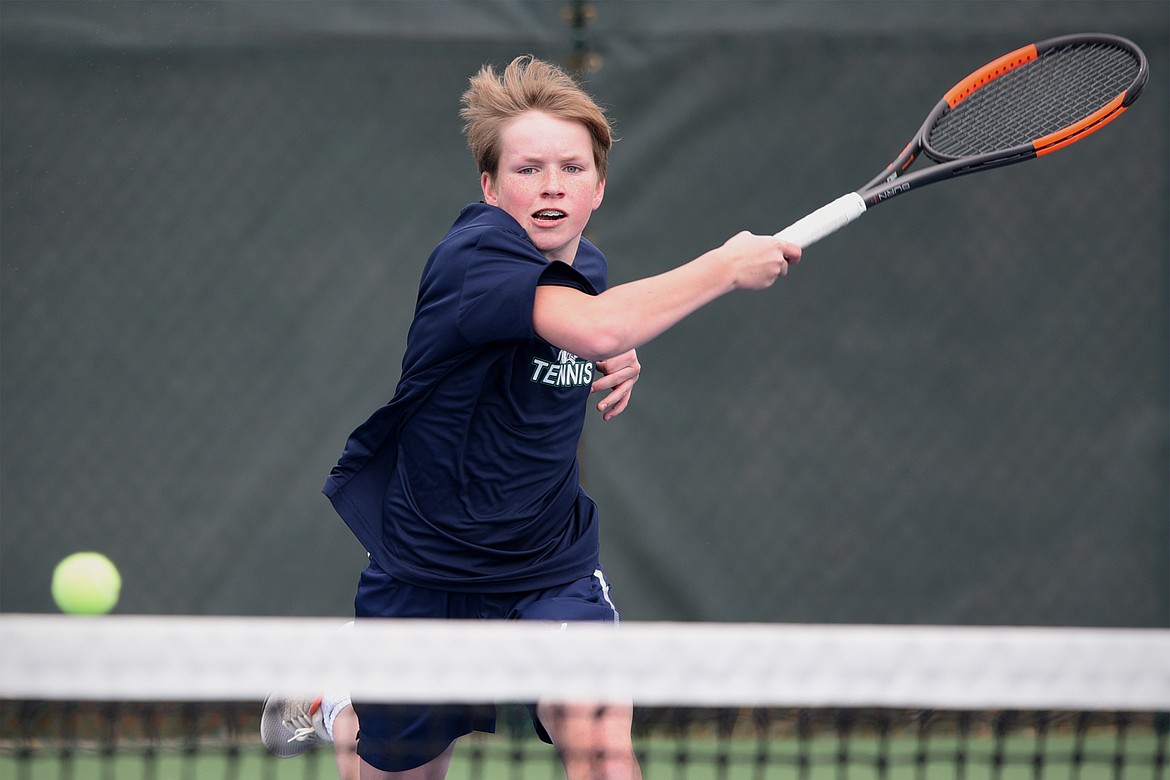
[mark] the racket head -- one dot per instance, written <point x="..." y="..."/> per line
<point x="1035" y="100"/>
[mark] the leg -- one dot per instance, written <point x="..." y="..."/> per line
<point x="412" y="741"/>
<point x="436" y="769"/>
<point x="345" y="732"/>
<point x="594" y="740"/>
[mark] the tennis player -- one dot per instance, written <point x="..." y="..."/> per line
<point x="464" y="488"/>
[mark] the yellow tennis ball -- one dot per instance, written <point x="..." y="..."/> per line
<point x="86" y="583"/>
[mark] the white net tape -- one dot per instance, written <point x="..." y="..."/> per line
<point x="236" y="658"/>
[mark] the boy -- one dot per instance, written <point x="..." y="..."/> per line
<point x="464" y="488"/>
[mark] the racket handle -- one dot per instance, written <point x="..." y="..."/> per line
<point x="825" y="220"/>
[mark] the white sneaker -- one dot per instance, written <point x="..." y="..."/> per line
<point x="289" y="727"/>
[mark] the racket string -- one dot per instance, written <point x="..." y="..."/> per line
<point x="1055" y="91"/>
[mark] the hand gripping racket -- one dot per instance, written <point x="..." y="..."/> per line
<point x="1025" y="104"/>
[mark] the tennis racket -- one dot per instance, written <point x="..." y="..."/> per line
<point x="1024" y="105"/>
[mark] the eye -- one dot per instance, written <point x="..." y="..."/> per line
<point x="573" y="169"/>
<point x="527" y="170"/>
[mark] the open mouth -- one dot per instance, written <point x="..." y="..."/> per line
<point x="549" y="215"/>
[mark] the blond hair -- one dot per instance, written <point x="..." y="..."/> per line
<point x="528" y="84"/>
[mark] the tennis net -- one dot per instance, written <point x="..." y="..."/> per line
<point x="154" y="697"/>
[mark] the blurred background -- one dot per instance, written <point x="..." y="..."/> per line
<point x="214" y="216"/>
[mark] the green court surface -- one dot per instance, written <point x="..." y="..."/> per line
<point x="706" y="758"/>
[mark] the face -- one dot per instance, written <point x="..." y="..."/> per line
<point x="547" y="181"/>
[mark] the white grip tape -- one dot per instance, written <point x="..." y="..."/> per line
<point x="825" y="220"/>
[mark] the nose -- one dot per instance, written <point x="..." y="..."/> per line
<point x="552" y="183"/>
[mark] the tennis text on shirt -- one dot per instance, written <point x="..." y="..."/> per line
<point x="568" y="371"/>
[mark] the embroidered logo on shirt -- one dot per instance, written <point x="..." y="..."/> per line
<point x="568" y="371"/>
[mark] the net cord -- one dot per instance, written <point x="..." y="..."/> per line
<point x="237" y="658"/>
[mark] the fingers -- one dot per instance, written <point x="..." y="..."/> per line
<point x="616" y="402"/>
<point x="792" y="252"/>
<point x="619" y="374"/>
<point x="789" y="253"/>
<point x="760" y="260"/>
<point x="617" y="369"/>
<point x="791" y="256"/>
<point x="611" y="378"/>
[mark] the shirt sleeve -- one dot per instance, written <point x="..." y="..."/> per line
<point x="500" y="278"/>
<point x="498" y="288"/>
<point x="564" y="275"/>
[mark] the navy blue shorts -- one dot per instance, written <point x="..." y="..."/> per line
<point x="397" y="737"/>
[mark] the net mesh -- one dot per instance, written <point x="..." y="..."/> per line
<point x="1061" y="87"/>
<point x="170" y="740"/>
<point x="97" y="698"/>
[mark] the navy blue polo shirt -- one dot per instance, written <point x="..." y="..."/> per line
<point x="468" y="479"/>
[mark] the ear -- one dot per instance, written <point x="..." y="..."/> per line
<point x="489" y="189"/>
<point x="599" y="194"/>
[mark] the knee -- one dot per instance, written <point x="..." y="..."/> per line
<point x="594" y="740"/>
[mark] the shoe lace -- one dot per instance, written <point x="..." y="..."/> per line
<point x="303" y="734"/>
<point x="301" y="726"/>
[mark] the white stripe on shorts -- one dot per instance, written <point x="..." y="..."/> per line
<point x="617" y="618"/>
